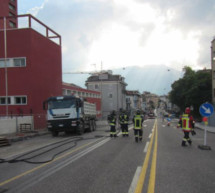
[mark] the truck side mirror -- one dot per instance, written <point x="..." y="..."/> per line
<point x="80" y="103"/>
<point x="45" y="105"/>
<point x="77" y="105"/>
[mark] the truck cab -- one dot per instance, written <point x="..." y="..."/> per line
<point x="66" y="113"/>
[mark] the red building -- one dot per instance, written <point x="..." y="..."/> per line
<point x="90" y="95"/>
<point x="8" y="8"/>
<point x="30" y="66"/>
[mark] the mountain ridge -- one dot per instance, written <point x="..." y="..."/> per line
<point x="156" y="79"/>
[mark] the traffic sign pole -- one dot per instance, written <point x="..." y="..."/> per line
<point x="205" y="137"/>
<point x="206" y="110"/>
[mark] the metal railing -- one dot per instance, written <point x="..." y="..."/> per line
<point x="29" y="21"/>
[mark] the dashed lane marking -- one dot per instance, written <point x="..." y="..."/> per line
<point x="135" y="180"/>
<point x="146" y="147"/>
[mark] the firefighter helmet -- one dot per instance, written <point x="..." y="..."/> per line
<point x="187" y="110"/>
<point x="138" y="112"/>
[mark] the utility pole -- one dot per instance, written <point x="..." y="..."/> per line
<point x="5" y="64"/>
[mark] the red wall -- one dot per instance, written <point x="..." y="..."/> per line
<point x="40" y="79"/>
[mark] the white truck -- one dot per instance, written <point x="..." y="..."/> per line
<point x="69" y="114"/>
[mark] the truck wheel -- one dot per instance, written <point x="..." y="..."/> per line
<point x="90" y="129"/>
<point x="67" y="132"/>
<point x="80" y="128"/>
<point x="94" y="125"/>
<point x="54" y="133"/>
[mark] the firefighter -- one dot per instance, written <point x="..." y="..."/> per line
<point x="123" y="120"/>
<point x="112" y="123"/>
<point x="186" y="122"/>
<point x="138" y="121"/>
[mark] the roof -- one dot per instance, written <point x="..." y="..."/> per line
<point x="132" y="92"/>
<point x="77" y="88"/>
<point x="105" y="77"/>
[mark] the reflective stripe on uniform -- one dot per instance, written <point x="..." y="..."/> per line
<point x="137" y="122"/>
<point x="185" y="122"/>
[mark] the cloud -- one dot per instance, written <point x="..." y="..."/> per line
<point x="192" y="16"/>
<point x="122" y="33"/>
<point x="79" y="23"/>
<point x="32" y="7"/>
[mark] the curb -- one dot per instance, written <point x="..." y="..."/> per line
<point x="202" y="127"/>
<point x="25" y="136"/>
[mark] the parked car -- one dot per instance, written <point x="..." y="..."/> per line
<point x="151" y="115"/>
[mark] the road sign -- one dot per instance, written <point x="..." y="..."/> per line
<point x="206" y="109"/>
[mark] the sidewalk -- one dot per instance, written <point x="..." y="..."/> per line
<point x="202" y="126"/>
<point x="14" y="137"/>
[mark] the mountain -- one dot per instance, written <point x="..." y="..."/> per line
<point x="156" y="79"/>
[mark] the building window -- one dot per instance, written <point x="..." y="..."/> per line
<point x="13" y="62"/>
<point x="21" y="100"/>
<point x="3" y="100"/>
<point x="96" y="86"/>
<point x="14" y="100"/>
<point x="11" y="14"/>
<point x="11" y="7"/>
<point x="19" y="62"/>
<point x="69" y="92"/>
<point x="110" y="95"/>
<point x="12" y="24"/>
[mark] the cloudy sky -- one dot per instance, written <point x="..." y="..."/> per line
<point x="122" y="33"/>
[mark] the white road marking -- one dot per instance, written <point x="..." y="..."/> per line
<point x="135" y="180"/>
<point x="146" y="147"/>
<point x="150" y="135"/>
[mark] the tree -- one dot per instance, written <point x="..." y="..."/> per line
<point x="193" y="89"/>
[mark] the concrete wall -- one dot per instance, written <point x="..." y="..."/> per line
<point x="11" y="125"/>
<point x="115" y="102"/>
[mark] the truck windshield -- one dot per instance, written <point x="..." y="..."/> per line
<point x="61" y="104"/>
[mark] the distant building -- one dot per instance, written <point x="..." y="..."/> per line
<point x="88" y="95"/>
<point x="151" y="101"/>
<point x="133" y="101"/>
<point x="30" y="65"/>
<point x="112" y="88"/>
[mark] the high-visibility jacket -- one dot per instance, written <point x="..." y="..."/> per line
<point x="186" y="122"/>
<point x="112" y="121"/>
<point x="138" y="120"/>
<point x="123" y="119"/>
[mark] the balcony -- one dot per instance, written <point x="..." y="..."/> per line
<point x="29" y="21"/>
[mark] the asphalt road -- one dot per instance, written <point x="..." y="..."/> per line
<point x="97" y="163"/>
